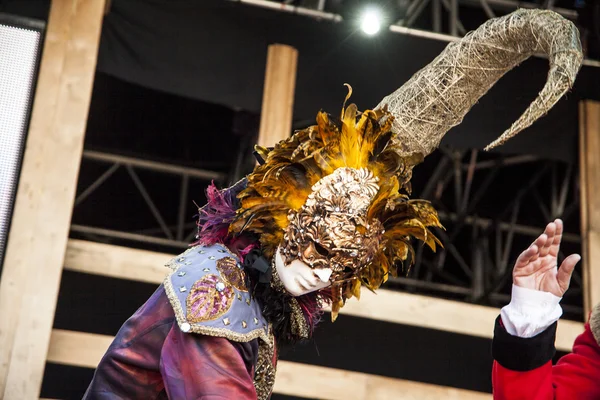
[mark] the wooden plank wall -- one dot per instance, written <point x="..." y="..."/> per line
<point x="44" y="201"/>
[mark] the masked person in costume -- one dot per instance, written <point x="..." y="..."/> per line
<point x="326" y="212"/>
<point x="524" y="335"/>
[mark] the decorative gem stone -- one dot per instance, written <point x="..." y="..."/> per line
<point x="220" y="286"/>
<point x="244" y="324"/>
<point x="226" y="321"/>
<point x="185" y="327"/>
<point x="188" y="262"/>
<point x="181" y="259"/>
<point x="202" y="252"/>
<point x="206" y="270"/>
<point x="337" y="209"/>
<point x="182" y="289"/>
<point x="354" y="254"/>
<point x="212" y="257"/>
<point x="255" y="321"/>
<point x="248" y="301"/>
<point x="222" y="251"/>
<point x="181" y="273"/>
<point x="239" y="296"/>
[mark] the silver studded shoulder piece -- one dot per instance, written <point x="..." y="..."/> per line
<point x="207" y="290"/>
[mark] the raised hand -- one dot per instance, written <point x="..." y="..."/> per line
<point x="536" y="268"/>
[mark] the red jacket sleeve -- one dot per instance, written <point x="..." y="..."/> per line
<point x="207" y="368"/>
<point x="518" y="376"/>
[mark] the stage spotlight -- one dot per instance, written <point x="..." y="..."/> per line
<point x="370" y="22"/>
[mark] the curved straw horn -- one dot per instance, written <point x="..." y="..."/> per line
<point x="437" y="97"/>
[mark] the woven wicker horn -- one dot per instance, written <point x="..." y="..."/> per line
<point x="437" y="97"/>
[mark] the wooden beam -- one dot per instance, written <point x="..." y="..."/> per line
<point x="116" y="261"/>
<point x="278" y="95"/>
<point x="44" y="201"/>
<point x="385" y="305"/>
<point x="440" y="314"/>
<point x="589" y="175"/>
<point x="294" y="379"/>
<point x="315" y="382"/>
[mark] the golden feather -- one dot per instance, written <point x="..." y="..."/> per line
<point x="358" y="140"/>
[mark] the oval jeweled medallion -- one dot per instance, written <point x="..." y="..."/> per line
<point x="232" y="274"/>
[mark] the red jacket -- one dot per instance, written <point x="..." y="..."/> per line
<point x="523" y="367"/>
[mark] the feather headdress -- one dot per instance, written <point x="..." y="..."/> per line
<point x="357" y="141"/>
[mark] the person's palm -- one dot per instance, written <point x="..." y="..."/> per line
<point x="536" y="268"/>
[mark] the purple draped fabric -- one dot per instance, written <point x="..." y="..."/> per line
<point x="151" y="358"/>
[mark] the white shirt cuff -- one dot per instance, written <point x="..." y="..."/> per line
<point x="530" y="312"/>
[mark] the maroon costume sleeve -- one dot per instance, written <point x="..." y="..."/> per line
<point x="150" y="358"/>
<point x="523" y="368"/>
<point x="207" y="368"/>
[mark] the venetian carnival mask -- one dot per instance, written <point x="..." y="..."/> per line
<point x="332" y="229"/>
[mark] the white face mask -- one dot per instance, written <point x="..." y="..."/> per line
<point x="298" y="278"/>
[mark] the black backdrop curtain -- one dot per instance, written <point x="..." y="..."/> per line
<point x="215" y="51"/>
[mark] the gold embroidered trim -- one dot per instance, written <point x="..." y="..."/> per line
<point x="275" y="280"/>
<point x="299" y="324"/>
<point x="172" y="263"/>
<point x="264" y="374"/>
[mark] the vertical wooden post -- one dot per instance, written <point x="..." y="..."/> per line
<point x="589" y="166"/>
<point x="42" y="214"/>
<point x="278" y="95"/>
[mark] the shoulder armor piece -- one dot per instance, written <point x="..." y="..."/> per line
<point x="208" y="293"/>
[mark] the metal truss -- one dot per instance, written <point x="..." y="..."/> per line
<point x="476" y="264"/>
<point x="481" y="241"/>
<point x="412" y="10"/>
<point x="176" y="234"/>
<point x="434" y="19"/>
<point x="313" y="9"/>
<point x="490" y="8"/>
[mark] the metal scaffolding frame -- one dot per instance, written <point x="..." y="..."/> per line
<point x="414" y="9"/>
<point x="177" y="235"/>
<point x="482" y="272"/>
<point x="440" y="10"/>
<point x="478" y="273"/>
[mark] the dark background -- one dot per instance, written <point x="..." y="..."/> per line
<point x="181" y="82"/>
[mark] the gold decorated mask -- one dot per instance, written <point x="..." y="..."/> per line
<point x="332" y="197"/>
<point x="332" y="229"/>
